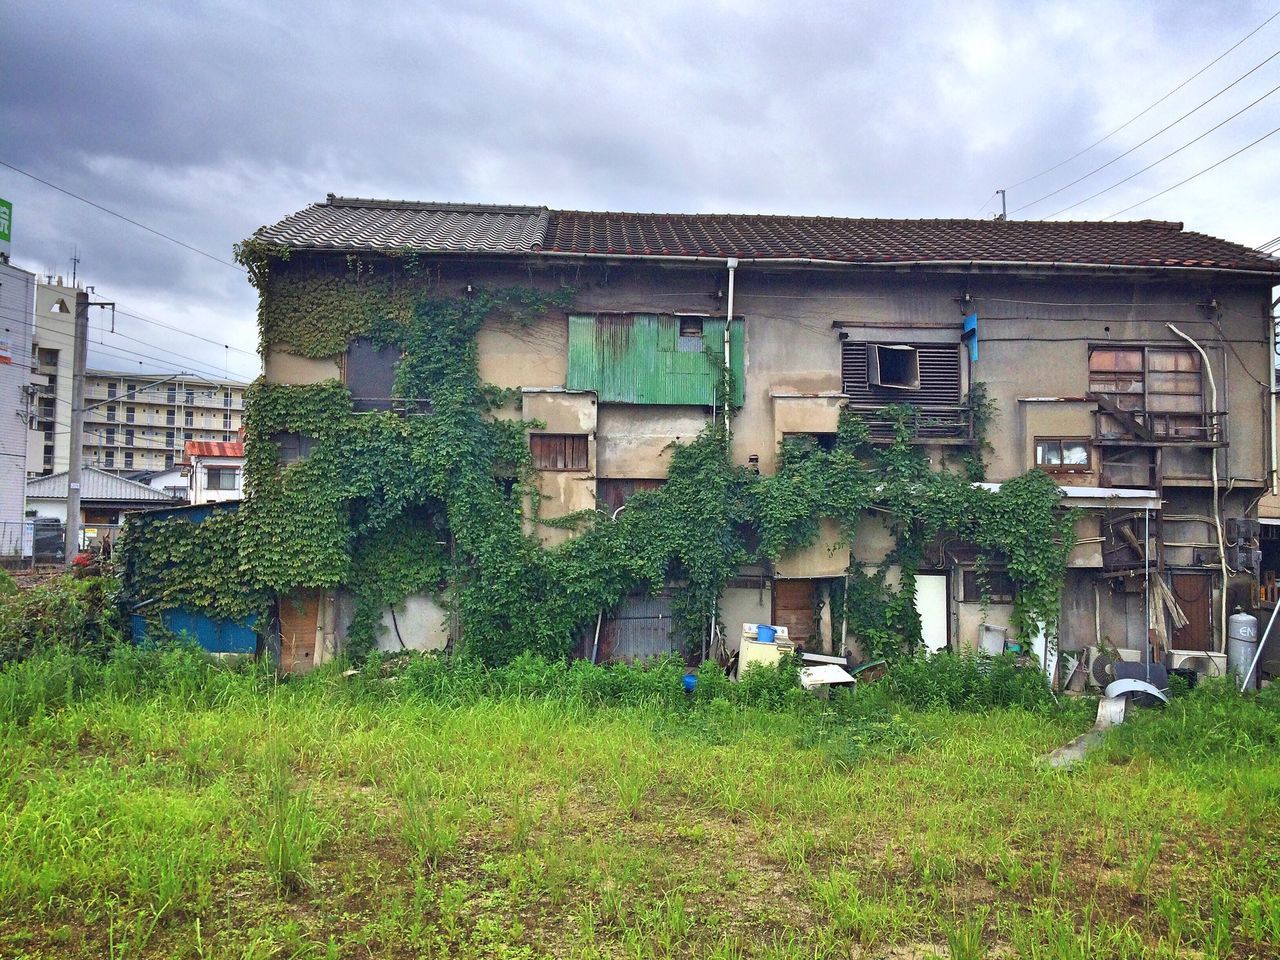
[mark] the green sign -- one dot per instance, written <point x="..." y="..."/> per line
<point x="6" y="224"/>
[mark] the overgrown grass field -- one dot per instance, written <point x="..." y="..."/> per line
<point x="157" y="805"/>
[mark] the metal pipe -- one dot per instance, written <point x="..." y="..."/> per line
<point x="1217" y="509"/>
<point x="732" y="265"/>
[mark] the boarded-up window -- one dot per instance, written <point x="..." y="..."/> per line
<point x="612" y="494"/>
<point x="558" y="451"/>
<point x="370" y="374"/>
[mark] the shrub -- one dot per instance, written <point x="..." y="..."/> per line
<point x="967" y="681"/>
<point x="81" y="615"/>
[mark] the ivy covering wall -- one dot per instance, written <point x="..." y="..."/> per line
<point x="388" y="504"/>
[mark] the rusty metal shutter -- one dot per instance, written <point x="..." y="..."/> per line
<point x="640" y="627"/>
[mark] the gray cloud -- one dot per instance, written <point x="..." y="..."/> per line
<point x="206" y="120"/>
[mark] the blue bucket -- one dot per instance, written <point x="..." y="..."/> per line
<point x="690" y="682"/>
<point x="765" y="633"/>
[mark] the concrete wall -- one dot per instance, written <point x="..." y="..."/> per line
<point x="420" y="623"/>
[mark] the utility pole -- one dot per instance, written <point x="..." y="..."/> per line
<point x="1004" y="209"/>
<point x="79" y="359"/>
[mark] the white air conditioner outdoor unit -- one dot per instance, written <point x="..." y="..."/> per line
<point x="1203" y="662"/>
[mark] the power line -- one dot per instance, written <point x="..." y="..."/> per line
<point x="1166" y="156"/>
<point x="1147" y="110"/>
<point x="187" y="333"/>
<point x="121" y="216"/>
<point x="1163" y="129"/>
<point x="1194" y="175"/>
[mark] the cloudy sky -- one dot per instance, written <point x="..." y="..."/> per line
<point x="207" y="120"/>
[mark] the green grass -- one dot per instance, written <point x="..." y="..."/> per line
<point x="161" y="807"/>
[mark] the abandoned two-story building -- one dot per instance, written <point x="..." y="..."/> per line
<point x="1133" y="362"/>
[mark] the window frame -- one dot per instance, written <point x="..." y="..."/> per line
<point x="1062" y="467"/>
<point x="221" y="471"/>
<point x="1156" y="408"/>
<point x="571" y="444"/>
<point x="971" y="586"/>
<point x="876" y="369"/>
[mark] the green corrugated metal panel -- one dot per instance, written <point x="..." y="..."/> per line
<point x="641" y="358"/>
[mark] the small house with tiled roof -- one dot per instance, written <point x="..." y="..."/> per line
<point x="1131" y="361"/>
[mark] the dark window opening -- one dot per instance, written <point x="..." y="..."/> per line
<point x="128" y="459"/>
<point x="896" y="366"/>
<point x="612" y="494"/>
<point x="1000" y="588"/>
<point x="293" y="447"/>
<point x="130" y="414"/>
<point x="370" y="374"/>
<point x="188" y="418"/>
<point x="111" y="412"/>
<point x="691" y="326"/>
<point x="798" y="441"/>
<point x="558" y="451"/>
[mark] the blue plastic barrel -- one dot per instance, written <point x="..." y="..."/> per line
<point x="690" y="682"/>
<point x="765" y="633"/>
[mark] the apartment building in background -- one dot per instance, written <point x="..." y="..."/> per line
<point x="144" y="421"/>
<point x="135" y="422"/>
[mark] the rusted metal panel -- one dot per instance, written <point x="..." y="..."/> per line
<point x="640" y="627"/>
<point x="643" y="358"/>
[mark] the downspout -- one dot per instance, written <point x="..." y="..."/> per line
<point x="1271" y="401"/>
<point x="727" y="400"/>
<point x="1217" y="511"/>
<point x="732" y="264"/>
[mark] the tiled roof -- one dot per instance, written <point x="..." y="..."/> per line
<point x="215" y="448"/>
<point x="97" y="485"/>
<point x="353" y="224"/>
<point x="1142" y="243"/>
<point x="345" y="223"/>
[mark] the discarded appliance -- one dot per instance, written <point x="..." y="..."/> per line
<point x="825" y="675"/>
<point x="768" y="653"/>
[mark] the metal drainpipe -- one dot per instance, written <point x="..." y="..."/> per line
<point x="1271" y="402"/>
<point x="732" y="264"/>
<point x="1217" y="510"/>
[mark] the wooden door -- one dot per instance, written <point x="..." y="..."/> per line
<point x="299" y="618"/>
<point x="1195" y="596"/>
<point x="794" y="606"/>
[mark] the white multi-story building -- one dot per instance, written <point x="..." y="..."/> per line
<point x="17" y="298"/>
<point x="143" y="421"/>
